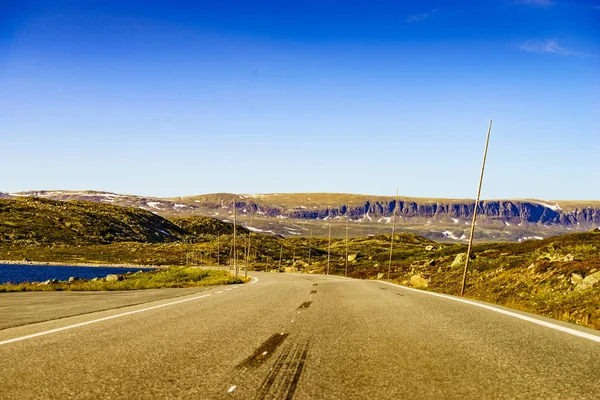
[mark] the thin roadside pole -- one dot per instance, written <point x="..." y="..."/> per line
<point x="248" y="250"/>
<point x="329" y="248"/>
<point x="230" y="262"/>
<point x="235" y="267"/>
<point x="346" y="272"/>
<point x="393" y="231"/>
<point x="309" y="247"/>
<point x="280" y="255"/>
<point x="464" y="281"/>
<point x="218" y="249"/>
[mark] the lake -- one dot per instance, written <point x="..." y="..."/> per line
<point x="17" y="273"/>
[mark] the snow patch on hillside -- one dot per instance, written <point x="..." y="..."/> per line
<point x="154" y="204"/>
<point x="253" y="229"/>
<point x="522" y="239"/>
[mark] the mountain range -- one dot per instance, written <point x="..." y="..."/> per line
<point x="304" y="214"/>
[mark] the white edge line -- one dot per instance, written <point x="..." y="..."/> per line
<point x="64" y="328"/>
<point x="254" y="280"/>
<point x="550" y="325"/>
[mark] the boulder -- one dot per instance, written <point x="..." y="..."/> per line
<point x="585" y="283"/>
<point x="113" y="277"/>
<point x="291" y="270"/>
<point x="554" y="257"/>
<point x="380" y="275"/>
<point x="576" y="279"/>
<point x="592" y="279"/>
<point x="418" y="281"/>
<point x="74" y="279"/>
<point x="429" y="247"/>
<point x="459" y="260"/>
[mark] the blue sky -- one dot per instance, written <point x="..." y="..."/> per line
<point x="301" y="96"/>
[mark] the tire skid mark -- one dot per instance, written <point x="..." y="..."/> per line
<point x="302" y="357"/>
<point x="282" y="380"/>
<point x="313" y="291"/>
<point x="399" y="294"/>
<point x="269" y="380"/>
<point x="263" y="352"/>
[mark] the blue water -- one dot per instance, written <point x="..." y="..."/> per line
<point x="40" y="273"/>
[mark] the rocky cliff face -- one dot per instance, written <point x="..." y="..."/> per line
<point x="507" y="211"/>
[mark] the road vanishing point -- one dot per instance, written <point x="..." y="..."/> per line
<point x="287" y="336"/>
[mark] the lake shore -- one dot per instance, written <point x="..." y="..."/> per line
<point x="80" y="264"/>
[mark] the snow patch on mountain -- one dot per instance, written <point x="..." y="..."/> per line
<point x="451" y="235"/>
<point x="554" y="207"/>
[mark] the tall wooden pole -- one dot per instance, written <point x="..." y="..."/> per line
<point x="235" y="267"/>
<point x="393" y="232"/>
<point x="309" y="246"/>
<point x="346" y="272"/>
<point x="248" y="251"/>
<point x="280" y="255"/>
<point x="218" y="249"/>
<point x="329" y="248"/>
<point x="231" y="255"/>
<point x="464" y="282"/>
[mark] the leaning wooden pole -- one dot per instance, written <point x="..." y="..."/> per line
<point x="235" y="266"/>
<point x="464" y="281"/>
<point x="393" y="232"/>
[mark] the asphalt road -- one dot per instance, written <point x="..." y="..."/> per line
<point x="287" y="336"/>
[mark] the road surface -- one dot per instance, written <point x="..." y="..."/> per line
<point x="287" y="336"/>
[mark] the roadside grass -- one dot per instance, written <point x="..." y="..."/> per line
<point x="171" y="277"/>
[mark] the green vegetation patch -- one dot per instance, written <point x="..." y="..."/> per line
<point x="172" y="277"/>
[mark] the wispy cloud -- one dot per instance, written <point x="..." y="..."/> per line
<point x="537" y="3"/>
<point x="547" y="46"/>
<point x="421" y="17"/>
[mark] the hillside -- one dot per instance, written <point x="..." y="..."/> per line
<point x="306" y="214"/>
<point x="30" y="220"/>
